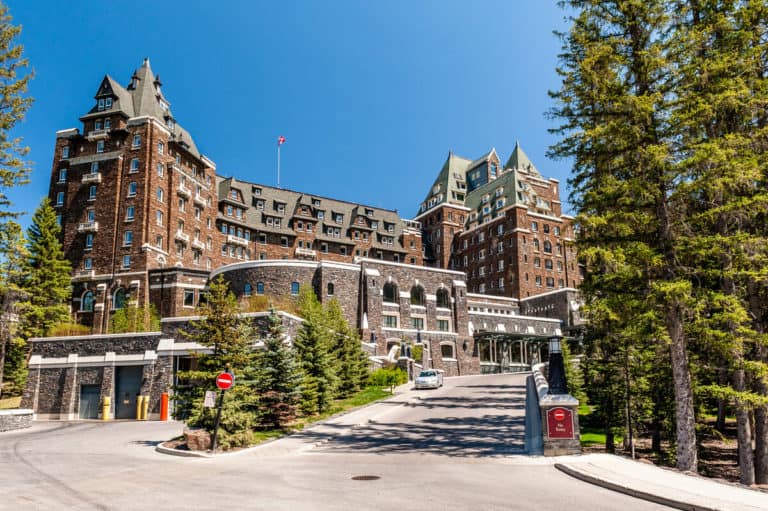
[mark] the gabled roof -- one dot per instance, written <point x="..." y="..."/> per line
<point x="145" y="89"/>
<point x="520" y="161"/>
<point x="454" y="169"/>
<point x="483" y="159"/>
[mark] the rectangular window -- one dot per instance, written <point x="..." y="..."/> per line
<point x="127" y="238"/>
<point x="94" y="167"/>
<point x="417" y="323"/>
<point x="100" y="146"/>
<point x="160" y="169"/>
<point x="63" y="176"/>
<point x="390" y="321"/>
<point x="134" y="165"/>
<point x="130" y="212"/>
<point x="60" y="199"/>
<point x="92" y="192"/>
<point x="91" y="215"/>
<point x="107" y="103"/>
<point x="160" y="148"/>
<point x="160" y="194"/>
<point x="65" y="152"/>
<point x="89" y="241"/>
<point x="263" y="239"/>
<point x="88" y="263"/>
<point x="97" y="125"/>
<point x="189" y="298"/>
<point x="136" y="141"/>
<point x="159" y="217"/>
<point x="159" y="241"/>
<point x="443" y="325"/>
<point x="107" y="124"/>
<point x="126" y="261"/>
<point x="284" y="242"/>
<point x="132" y="189"/>
<point x="324" y="248"/>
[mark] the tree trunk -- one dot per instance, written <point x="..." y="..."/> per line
<point x="744" y="434"/>
<point x="721" y="404"/>
<point x="656" y="425"/>
<point x="761" y="445"/>
<point x="685" y="421"/>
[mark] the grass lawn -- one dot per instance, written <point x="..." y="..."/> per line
<point x="591" y="435"/>
<point x="10" y="402"/>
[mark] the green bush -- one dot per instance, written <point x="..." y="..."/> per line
<point x="388" y="377"/>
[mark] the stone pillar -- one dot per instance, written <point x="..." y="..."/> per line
<point x="560" y="424"/>
<point x="108" y="384"/>
<point x="69" y="394"/>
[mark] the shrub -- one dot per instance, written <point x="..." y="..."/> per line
<point x="389" y="377"/>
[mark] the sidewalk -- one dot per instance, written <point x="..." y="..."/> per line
<point x="664" y="486"/>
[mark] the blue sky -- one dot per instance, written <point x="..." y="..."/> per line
<point x="370" y="96"/>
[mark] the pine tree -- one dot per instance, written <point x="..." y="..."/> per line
<point x="313" y="349"/>
<point x="47" y="275"/>
<point x="614" y="105"/>
<point x="14" y="79"/>
<point x="230" y="339"/>
<point x="351" y="361"/>
<point x="277" y="379"/>
<point x="12" y="255"/>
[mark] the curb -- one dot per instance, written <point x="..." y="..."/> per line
<point x="626" y="490"/>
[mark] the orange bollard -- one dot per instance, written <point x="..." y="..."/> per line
<point x="164" y="406"/>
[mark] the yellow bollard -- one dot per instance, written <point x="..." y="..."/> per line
<point x="145" y="408"/>
<point x="138" y="407"/>
<point x="105" y="406"/>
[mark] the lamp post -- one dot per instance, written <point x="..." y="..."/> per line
<point x="557" y="380"/>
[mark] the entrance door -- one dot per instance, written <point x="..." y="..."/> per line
<point x="89" y="401"/>
<point x="127" y="387"/>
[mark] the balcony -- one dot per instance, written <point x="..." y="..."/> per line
<point x="94" y="177"/>
<point x="88" y="227"/>
<point x="305" y="252"/>
<point x="182" y="236"/>
<point x="97" y="135"/>
<point x="237" y="240"/>
<point x="198" y="244"/>
<point x="199" y="200"/>
<point x="84" y="274"/>
<point x="184" y="191"/>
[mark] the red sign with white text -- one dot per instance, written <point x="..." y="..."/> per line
<point x="560" y="423"/>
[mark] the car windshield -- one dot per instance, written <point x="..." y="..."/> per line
<point x="424" y="374"/>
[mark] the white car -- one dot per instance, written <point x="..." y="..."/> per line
<point x="429" y="379"/>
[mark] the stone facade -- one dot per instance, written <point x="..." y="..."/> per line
<point x="15" y="419"/>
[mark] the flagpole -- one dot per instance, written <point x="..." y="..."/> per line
<point x="278" y="165"/>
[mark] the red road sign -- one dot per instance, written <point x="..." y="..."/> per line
<point x="559" y="423"/>
<point x="225" y="380"/>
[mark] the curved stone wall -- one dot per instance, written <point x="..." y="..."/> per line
<point x="15" y="419"/>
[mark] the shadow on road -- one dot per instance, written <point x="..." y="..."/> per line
<point x="483" y="424"/>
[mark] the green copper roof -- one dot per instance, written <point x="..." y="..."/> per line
<point x="520" y="161"/>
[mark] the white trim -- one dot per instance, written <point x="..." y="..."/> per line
<point x="545" y="217"/>
<point x="149" y="246"/>
<point x="563" y="290"/>
<point x="404" y="265"/>
<point x="108" y="359"/>
<point x="422" y="332"/>
<point x="295" y="263"/>
<point x="520" y="229"/>
<point x="205" y="159"/>
<point x="66" y="132"/>
<point x="177" y="284"/>
<point x="490" y="297"/>
<point x="429" y="210"/>
<point x="79" y="160"/>
<point x="459" y="283"/>
<point x="516" y="317"/>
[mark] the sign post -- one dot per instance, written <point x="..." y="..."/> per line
<point x="224" y="381"/>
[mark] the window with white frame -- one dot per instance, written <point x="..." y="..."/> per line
<point x="136" y="141"/>
<point x="60" y="199"/>
<point x="127" y="238"/>
<point x="132" y="186"/>
<point x="100" y="146"/>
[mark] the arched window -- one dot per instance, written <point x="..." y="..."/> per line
<point x="86" y="303"/>
<point x="294" y="288"/>
<point x="330" y="289"/>
<point x="259" y="288"/>
<point x="443" y="299"/>
<point x="118" y="302"/>
<point x="535" y="244"/>
<point x="390" y="293"/>
<point x="417" y="295"/>
<point x="247" y="289"/>
<point x="547" y="247"/>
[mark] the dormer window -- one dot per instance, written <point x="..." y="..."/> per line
<point x="233" y="194"/>
<point x="107" y="103"/>
<point x="338" y="218"/>
<point x="100" y="104"/>
<point x="107" y="124"/>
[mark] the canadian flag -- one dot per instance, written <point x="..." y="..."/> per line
<point x="280" y="140"/>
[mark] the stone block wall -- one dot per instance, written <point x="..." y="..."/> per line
<point x="15" y="419"/>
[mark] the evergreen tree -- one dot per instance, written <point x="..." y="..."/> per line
<point x="313" y="349"/>
<point x="47" y="275"/>
<point x="614" y="105"/>
<point x="277" y="378"/>
<point x="351" y="361"/>
<point x="14" y="79"/>
<point x="230" y="339"/>
<point x="12" y="255"/>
